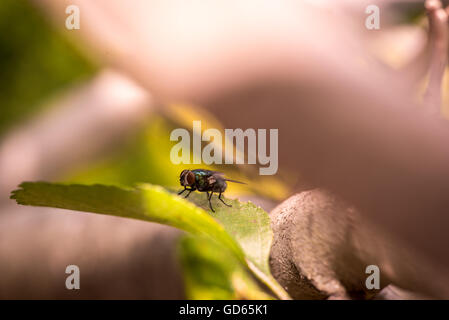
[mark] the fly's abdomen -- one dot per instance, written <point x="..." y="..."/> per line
<point x="220" y="186"/>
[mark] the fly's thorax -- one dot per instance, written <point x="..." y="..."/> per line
<point x="201" y="181"/>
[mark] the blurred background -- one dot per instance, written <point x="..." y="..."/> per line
<point x="65" y="116"/>
<point x="68" y="115"/>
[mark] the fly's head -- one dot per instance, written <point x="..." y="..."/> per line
<point x="187" y="178"/>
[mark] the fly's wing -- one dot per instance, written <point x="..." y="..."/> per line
<point x="235" y="181"/>
<point x="213" y="176"/>
<point x="221" y="176"/>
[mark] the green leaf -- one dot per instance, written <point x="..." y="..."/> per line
<point x="210" y="273"/>
<point x="243" y="229"/>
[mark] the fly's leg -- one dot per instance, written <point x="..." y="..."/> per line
<point x="219" y="197"/>
<point x="209" y="196"/>
<point x="185" y="189"/>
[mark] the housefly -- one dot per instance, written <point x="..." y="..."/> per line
<point x="204" y="181"/>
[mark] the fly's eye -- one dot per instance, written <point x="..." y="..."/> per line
<point x="190" y="178"/>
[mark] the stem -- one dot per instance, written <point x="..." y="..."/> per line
<point x="269" y="281"/>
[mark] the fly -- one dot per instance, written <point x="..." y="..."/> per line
<point x="205" y="181"/>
